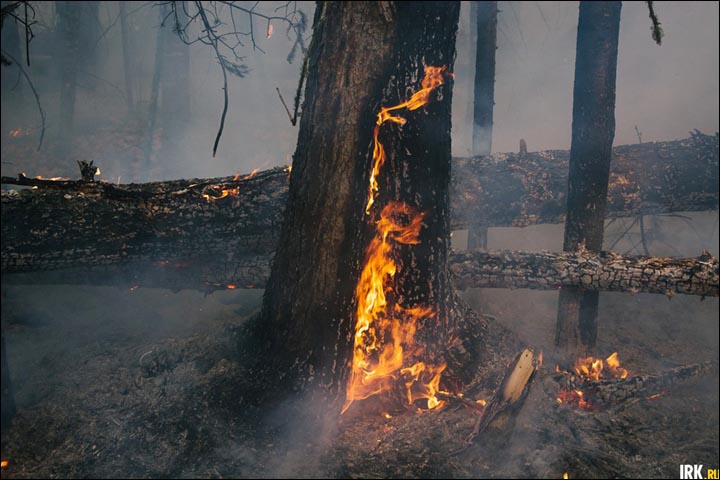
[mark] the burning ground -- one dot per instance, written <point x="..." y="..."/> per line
<point x="147" y="383"/>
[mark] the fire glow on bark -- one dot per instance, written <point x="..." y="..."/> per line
<point x="384" y="329"/>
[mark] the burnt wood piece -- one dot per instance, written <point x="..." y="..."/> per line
<point x="607" y="392"/>
<point x="607" y="272"/>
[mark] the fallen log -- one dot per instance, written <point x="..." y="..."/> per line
<point x="66" y="223"/>
<point x="609" y="272"/>
<point x="471" y="269"/>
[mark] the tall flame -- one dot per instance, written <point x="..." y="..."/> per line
<point x="433" y="78"/>
<point x="384" y="329"/>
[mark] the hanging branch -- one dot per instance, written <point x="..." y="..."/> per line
<point x="37" y="97"/>
<point x="657" y="31"/>
<point x="225" y="44"/>
<point x="27" y="20"/>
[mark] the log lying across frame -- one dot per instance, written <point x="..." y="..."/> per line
<point x="606" y="272"/>
<point x="222" y="231"/>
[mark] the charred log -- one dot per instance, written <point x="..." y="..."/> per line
<point x="607" y="272"/>
<point x="66" y="223"/>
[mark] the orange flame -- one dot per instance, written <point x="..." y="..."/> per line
<point x="385" y="330"/>
<point x="590" y="368"/>
<point x="433" y="78"/>
<point x="574" y="397"/>
<point x="3" y="463"/>
<point x="270" y="30"/>
<point x="565" y="476"/>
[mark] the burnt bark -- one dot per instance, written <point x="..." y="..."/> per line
<point x="593" y="130"/>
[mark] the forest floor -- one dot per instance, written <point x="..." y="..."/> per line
<point x="113" y="383"/>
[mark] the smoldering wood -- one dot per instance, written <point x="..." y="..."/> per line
<point x="608" y="272"/>
<point x="612" y="392"/>
<point x="68" y="223"/>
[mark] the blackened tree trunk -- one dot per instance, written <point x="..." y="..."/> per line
<point x="593" y="130"/>
<point x="127" y="57"/>
<point x="307" y="320"/>
<point x="485" y="19"/>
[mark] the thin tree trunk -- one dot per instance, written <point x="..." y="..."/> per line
<point x="127" y="57"/>
<point x="593" y="130"/>
<point x="154" y="94"/>
<point x="69" y="19"/>
<point x="485" y="20"/>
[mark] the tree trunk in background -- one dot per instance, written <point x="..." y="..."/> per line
<point x="69" y="20"/>
<point x="307" y="320"/>
<point x="176" y="98"/>
<point x="593" y="130"/>
<point x="126" y="39"/>
<point x="154" y="94"/>
<point x="485" y="19"/>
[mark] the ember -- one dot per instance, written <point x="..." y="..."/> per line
<point x="574" y="397"/>
<point x="19" y="132"/>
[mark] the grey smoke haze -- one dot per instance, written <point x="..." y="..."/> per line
<point x="664" y="90"/>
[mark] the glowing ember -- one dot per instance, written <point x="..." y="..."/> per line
<point x="231" y="286"/>
<point x="565" y="476"/>
<point x="224" y="192"/>
<point x="481" y="402"/>
<point x="134" y="287"/>
<point x="656" y="395"/>
<point x="19" y="132"/>
<point x="590" y="368"/>
<point x="270" y="30"/>
<point x="574" y="397"/>
<point x="384" y="329"/>
<point x="387" y="415"/>
<point x="4" y="463"/>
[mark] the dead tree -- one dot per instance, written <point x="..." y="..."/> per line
<point x="593" y="130"/>
<point x="485" y="18"/>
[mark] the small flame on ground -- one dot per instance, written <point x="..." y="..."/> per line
<point x="231" y="286"/>
<point x="590" y="368"/>
<point x="3" y="463"/>
<point x="481" y="402"/>
<point x="134" y="287"/>
<point x="387" y="415"/>
<point x="574" y="397"/>
<point x="565" y="476"/>
<point x="270" y="30"/>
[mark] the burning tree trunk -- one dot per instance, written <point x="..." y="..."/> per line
<point x="485" y="16"/>
<point x="590" y="154"/>
<point x="359" y="282"/>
